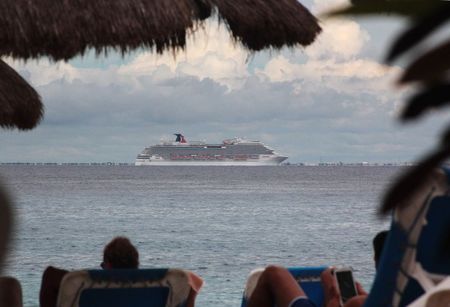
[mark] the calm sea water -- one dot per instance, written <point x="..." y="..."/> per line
<point x="220" y="222"/>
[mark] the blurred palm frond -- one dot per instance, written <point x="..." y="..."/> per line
<point x="430" y="71"/>
<point x="430" y="67"/>
<point x="433" y="97"/>
<point x="405" y="8"/>
<point x="420" y="29"/>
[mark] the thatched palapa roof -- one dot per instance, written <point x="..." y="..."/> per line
<point x="61" y="30"/>
<point x="64" y="29"/>
<point x="260" y="24"/>
<point x="20" y="104"/>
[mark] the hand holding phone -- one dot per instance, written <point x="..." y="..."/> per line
<point x="346" y="284"/>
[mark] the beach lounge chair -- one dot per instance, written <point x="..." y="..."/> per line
<point x="307" y="277"/>
<point x="439" y="296"/>
<point x="124" y="287"/>
<point x="10" y="292"/>
<point x="416" y="255"/>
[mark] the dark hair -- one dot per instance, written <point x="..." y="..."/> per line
<point x="121" y="254"/>
<point x="378" y="243"/>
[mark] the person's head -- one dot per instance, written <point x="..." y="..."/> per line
<point x="378" y="243"/>
<point x="120" y="254"/>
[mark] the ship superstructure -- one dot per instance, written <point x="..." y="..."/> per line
<point x="234" y="151"/>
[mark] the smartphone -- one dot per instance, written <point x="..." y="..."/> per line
<point x="346" y="284"/>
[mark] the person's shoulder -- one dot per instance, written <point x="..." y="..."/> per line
<point x="53" y="271"/>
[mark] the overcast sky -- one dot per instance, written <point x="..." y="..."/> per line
<point x="333" y="101"/>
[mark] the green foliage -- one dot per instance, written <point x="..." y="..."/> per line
<point x="419" y="30"/>
<point x="434" y="96"/>
<point x="406" y="8"/>
<point x="431" y="66"/>
<point x="429" y="71"/>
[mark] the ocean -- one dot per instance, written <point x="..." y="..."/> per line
<point x="220" y="222"/>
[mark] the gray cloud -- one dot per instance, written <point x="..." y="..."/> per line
<point x="90" y="122"/>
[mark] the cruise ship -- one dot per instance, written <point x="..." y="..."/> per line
<point x="231" y="152"/>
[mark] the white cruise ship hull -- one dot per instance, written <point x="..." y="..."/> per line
<point x="261" y="162"/>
